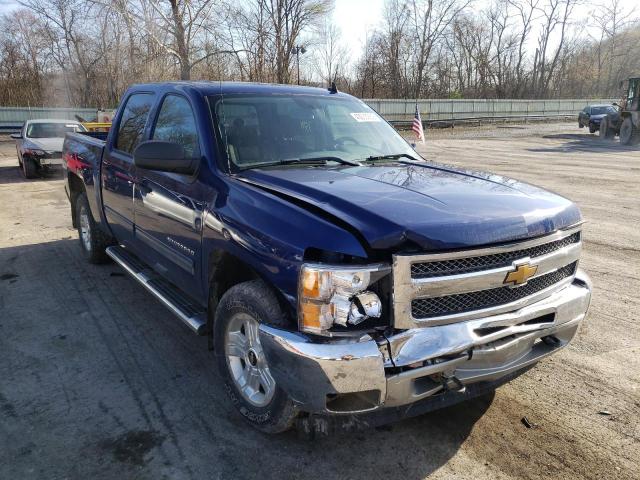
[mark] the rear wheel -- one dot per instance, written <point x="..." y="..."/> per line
<point x="241" y="360"/>
<point x="93" y="241"/>
<point x="629" y="135"/>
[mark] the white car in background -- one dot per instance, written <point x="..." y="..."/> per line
<point x="39" y="143"/>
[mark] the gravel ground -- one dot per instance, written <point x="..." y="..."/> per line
<point x="98" y="380"/>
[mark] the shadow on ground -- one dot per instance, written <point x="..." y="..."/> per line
<point x="577" y="142"/>
<point x="91" y="364"/>
<point x="13" y="174"/>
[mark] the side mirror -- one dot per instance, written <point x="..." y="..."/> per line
<point x="164" y="157"/>
<point x="16" y="136"/>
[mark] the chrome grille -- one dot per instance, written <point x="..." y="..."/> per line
<point x="476" y="264"/>
<point x="451" y="304"/>
<point x="440" y="288"/>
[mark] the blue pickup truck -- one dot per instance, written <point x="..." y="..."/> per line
<point x="341" y="278"/>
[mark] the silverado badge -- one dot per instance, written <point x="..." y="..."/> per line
<point x="522" y="273"/>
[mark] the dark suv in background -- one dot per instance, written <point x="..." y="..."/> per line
<point x="592" y="115"/>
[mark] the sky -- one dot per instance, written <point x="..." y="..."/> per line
<point x="355" y="18"/>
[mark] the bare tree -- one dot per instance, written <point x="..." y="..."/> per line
<point x="330" y="54"/>
<point x="86" y="52"/>
<point x="610" y="19"/>
<point x="526" y="10"/>
<point x="556" y="16"/>
<point x="431" y="19"/>
<point x="174" y="25"/>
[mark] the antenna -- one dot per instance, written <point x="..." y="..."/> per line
<point x="333" y="88"/>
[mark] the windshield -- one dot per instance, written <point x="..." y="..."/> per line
<point x="52" y="130"/>
<point x="602" y="110"/>
<point x="266" y="129"/>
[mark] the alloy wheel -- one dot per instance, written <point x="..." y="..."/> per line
<point x="246" y="361"/>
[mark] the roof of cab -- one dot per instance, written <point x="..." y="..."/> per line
<point x="215" y="88"/>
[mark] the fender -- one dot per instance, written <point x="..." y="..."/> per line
<point x="270" y="235"/>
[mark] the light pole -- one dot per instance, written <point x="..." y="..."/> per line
<point x="297" y="51"/>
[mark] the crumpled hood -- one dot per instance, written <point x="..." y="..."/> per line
<point x="47" y="144"/>
<point x="435" y="206"/>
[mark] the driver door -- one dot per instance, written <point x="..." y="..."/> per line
<point x="169" y="206"/>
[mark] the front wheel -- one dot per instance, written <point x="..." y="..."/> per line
<point x="592" y="129"/>
<point x="241" y="360"/>
<point x="629" y="135"/>
<point x="29" y="168"/>
<point x="606" y="129"/>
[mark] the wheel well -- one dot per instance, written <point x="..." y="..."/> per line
<point x="76" y="187"/>
<point x="225" y="271"/>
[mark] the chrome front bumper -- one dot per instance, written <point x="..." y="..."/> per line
<point x="351" y="376"/>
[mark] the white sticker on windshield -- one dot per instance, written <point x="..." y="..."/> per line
<point x="365" y="117"/>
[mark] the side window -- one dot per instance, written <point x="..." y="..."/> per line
<point x="177" y="124"/>
<point x="134" y="118"/>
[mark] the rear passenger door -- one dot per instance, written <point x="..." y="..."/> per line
<point x="118" y="171"/>
<point x="169" y="206"/>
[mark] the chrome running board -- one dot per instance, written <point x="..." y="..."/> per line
<point x="175" y="300"/>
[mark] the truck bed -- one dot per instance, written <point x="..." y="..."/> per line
<point x="81" y="157"/>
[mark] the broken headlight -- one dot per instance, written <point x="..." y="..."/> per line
<point x="337" y="295"/>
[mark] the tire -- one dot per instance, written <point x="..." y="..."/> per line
<point x="606" y="129"/>
<point x="241" y="309"/>
<point x="629" y="135"/>
<point x="29" y="168"/>
<point x="93" y="241"/>
<point x="592" y="129"/>
<point x="580" y="125"/>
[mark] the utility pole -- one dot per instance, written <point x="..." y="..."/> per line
<point x="297" y="51"/>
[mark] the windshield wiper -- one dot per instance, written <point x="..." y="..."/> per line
<point x="395" y="156"/>
<point x="303" y="161"/>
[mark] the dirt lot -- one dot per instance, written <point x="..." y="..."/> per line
<point x="98" y="380"/>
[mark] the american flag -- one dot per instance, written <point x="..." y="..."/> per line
<point x="417" y="125"/>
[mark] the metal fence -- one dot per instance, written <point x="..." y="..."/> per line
<point x="395" y="111"/>
<point x="399" y="111"/>
<point x="12" y="118"/>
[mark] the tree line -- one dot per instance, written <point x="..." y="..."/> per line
<point x="86" y="52"/>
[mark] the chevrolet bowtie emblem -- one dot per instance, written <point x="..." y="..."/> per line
<point x="522" y="273"/>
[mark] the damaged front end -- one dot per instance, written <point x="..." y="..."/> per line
<point x="451" y="325"/>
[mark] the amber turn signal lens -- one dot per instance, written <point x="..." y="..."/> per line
<point x="310" y="315"/>
<point x="316" y="316"/>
